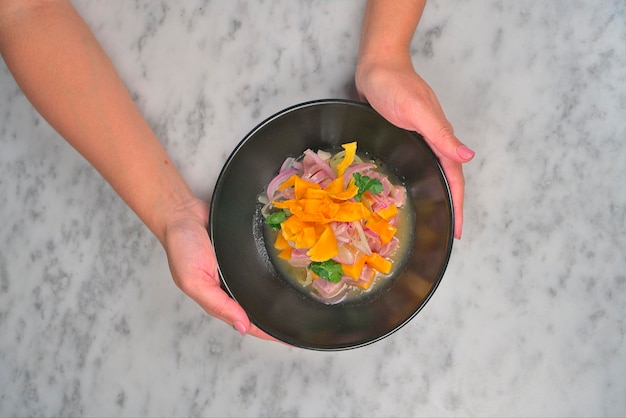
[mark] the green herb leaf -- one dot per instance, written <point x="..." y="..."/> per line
<point x="365" y="183"/>
<point x="275" y="219"/>
<point x="329" y="270"/>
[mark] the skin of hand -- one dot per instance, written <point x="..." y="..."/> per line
<point x="386" y="79"/>
<point x="68" y="78"/>
<point x="194" y="267"/>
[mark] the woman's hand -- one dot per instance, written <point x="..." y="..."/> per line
<point x="386" y="79"/>
<point x="400" y="95"/>
<point x="194" y="267"/>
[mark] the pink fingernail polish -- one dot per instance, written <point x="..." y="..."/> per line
<point x="464" y="152"/>
<point x="240" y="327"/>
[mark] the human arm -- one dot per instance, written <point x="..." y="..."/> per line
<point x="71" y="82"/>
<point x="385" y="78"/>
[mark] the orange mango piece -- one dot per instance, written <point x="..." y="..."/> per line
<point x="351" y="211"/>
<point x="312" y="210"/>
<point x="281" y="243"/>
<point x="347" y="159"/>
<point x="302" y="234"/>
<point x="325" y="248"/>
<point x="346" y="194"/>
<point x="291" y="226"/>
<point x="354" y="270"/>
<point x="324" y="210"/>
<point x="307" y="238"/>
<point x="367" y="199"/>
<point x="286" y="204"/>
<point x="384" y="229"/>
<point x="301" y="186"/>
<point x="368" y="280"/>
<point x="286" y="253"/>
<point x="379" y="263"/>
<point x="288" y="183"/>
<point x="335" y="189"/>
<point x="335" y="186"/>
<point x="388" y="213"/>
<point x="314" y="194"/>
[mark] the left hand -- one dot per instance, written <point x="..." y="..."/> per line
<point x="194" y="267"/>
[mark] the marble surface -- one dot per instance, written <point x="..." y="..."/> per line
<point x="529" y="319"/>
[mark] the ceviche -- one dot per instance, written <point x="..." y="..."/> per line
<point x="335" y="219"/>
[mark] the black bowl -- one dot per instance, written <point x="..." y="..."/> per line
<point x="272" y="302"/>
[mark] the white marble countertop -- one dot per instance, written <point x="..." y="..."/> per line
<point x="529" y="319"/>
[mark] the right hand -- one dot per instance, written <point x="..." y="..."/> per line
<point x="401" y="96"/>
<point x="194" y="267"/>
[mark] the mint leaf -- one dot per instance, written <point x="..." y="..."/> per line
<point x="275" y="219"/>
<point x="329" y="270"/>
<point x="365" y="183"/>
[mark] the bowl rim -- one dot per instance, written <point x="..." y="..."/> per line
<point x="442" y="268"/>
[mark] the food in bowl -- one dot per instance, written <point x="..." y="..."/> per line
<point x="336" y="222"/>
<point x="252" y="277"/>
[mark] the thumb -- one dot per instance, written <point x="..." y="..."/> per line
<point x="439" y="134"/>
<point x="431" y="122"/>
<point x="219" y="304"/>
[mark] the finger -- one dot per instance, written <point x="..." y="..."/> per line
<point x="220" y="305"/>
<point x="430" y="121"/>
<point x="259" y="333"/>
<point x="440" y="135"/>
<point x="456" y="181"/>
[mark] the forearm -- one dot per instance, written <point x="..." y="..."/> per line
<point x="388" y="27"/>
<point x="69" y="79"/>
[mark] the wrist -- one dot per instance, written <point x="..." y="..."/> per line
<point x="176" y="203"/>
<point x="388" y="29"/>
<point x="384" y="53"/>
<point x="375" y="64"/>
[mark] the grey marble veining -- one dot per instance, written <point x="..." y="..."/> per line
<point x="529" y="319"/>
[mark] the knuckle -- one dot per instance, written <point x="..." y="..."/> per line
<point x="445" y="133"/>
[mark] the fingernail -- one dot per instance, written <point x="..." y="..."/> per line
<point x="464" y="152"/>
<point x="240" y="327"/>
